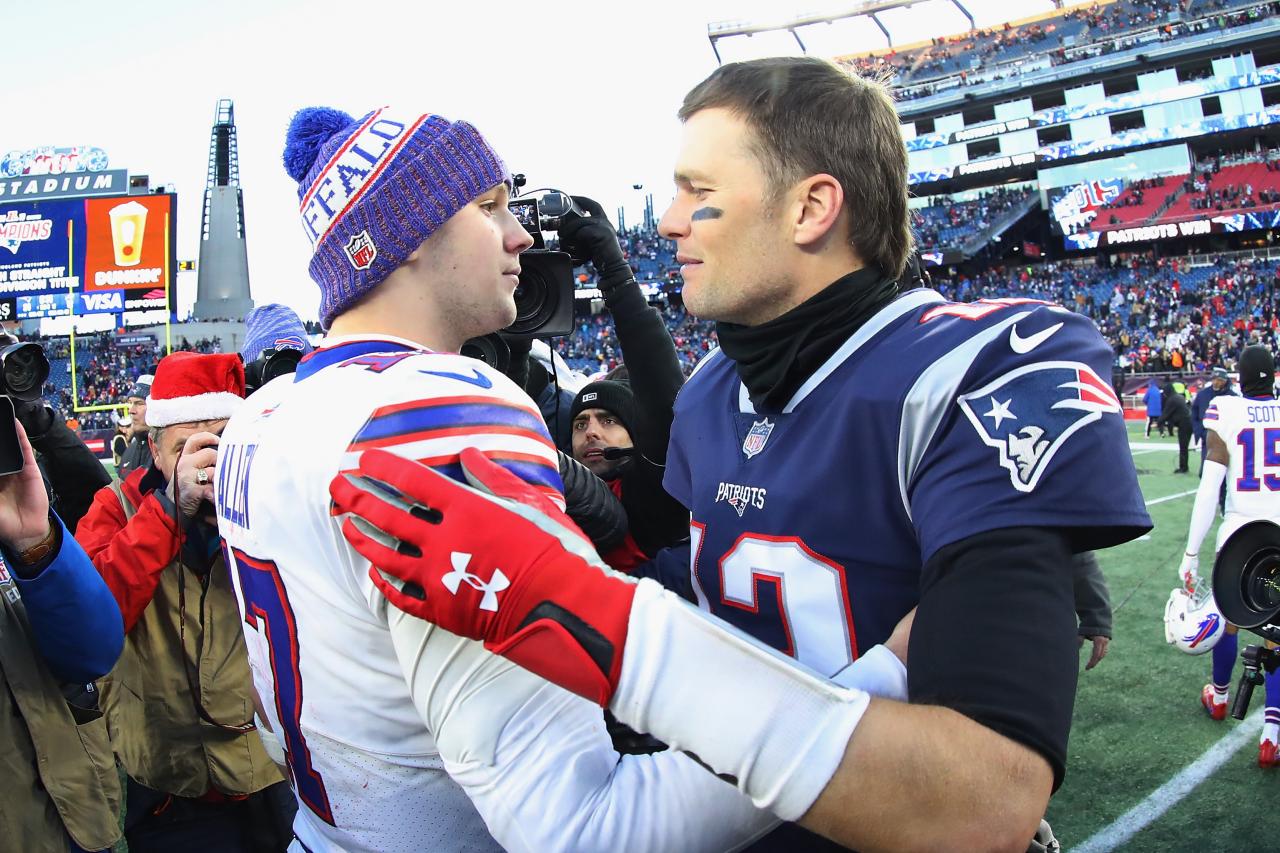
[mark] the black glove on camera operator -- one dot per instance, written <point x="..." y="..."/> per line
<point x="592" y="238"/>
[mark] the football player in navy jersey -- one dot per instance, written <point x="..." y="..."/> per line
<point x="854" y="450"/>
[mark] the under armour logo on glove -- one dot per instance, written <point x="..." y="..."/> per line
<point x="460" y="575"/>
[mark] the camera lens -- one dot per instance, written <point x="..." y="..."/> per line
<point x="25" y="370"/>
<point x="491" y="349"/>
<point x="280" y="363"/>
<point x="531" y="296"/>
<point x="1261" y="582"/>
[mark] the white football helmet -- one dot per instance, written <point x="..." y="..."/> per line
<point x="1193" y="623"/>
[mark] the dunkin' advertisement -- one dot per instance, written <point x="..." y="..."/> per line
<point x="116" y="245"/>
<point x="125" y="244"/>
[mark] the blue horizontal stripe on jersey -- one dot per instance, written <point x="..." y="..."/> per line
<point x="537" y="475"/>
<point x="432" y="416"/>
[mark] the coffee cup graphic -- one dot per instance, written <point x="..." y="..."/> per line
<point x="128" y="224"/>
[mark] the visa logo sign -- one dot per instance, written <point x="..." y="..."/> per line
<point x="102" y="302"/>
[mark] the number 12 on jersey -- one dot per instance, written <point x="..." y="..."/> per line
<point x="811" y="592"/>
<point x="267" y="609"/>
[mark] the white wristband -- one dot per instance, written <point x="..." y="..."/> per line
<point x="879" y="672"/>
<point x="744" y="710"/>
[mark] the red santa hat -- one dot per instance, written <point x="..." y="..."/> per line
<point x="191" y="387"/>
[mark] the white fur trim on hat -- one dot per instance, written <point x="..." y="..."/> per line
<point x="210" y="406"/>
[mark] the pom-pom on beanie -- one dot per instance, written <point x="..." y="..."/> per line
<point x="371" y="190"/>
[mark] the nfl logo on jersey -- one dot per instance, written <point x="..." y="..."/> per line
<point x="756" y="437"/>
<point x="1030" y="412"/>
<point x="361" y="251"/>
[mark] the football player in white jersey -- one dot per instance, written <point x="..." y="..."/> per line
<point x="1243" y="448"/>
<point x="401" y="736"/>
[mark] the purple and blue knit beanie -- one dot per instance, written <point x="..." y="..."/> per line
<point x="273" y="326"/>
<point x="373" y="189"/>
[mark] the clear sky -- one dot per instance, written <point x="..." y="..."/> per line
<point x="578" y="95"/>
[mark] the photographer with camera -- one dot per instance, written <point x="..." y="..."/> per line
<point x="73" y="473"/>
<point x="1236" y="452"/>
<point x="275" y="341"/>
<point x="59" y="629"/>
<point x="180" y="703"/>
<point x="621" y="428"/>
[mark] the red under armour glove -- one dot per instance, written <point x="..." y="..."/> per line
<point x="493" y="560"/>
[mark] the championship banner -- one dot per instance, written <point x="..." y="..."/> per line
<point x="121" y="246"/>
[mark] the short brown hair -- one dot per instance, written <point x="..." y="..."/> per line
<point x="810" y="117"/>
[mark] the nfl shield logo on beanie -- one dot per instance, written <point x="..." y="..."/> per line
<point x="361" y="251"/>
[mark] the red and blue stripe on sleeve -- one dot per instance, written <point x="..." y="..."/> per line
<point x="435" y="430"/>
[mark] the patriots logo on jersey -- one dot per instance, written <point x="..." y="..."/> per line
<point x="1029" y="413"/>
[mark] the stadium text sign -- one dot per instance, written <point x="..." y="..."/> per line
<point x="1165" y="231"/>
<point x="32" y="187"/>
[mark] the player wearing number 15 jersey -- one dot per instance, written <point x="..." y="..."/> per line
<point x="1242" y="447"/>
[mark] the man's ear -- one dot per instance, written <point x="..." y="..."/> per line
<point x="818" y="202"/>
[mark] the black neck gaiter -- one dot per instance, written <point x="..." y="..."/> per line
<point x="775" y="358"/>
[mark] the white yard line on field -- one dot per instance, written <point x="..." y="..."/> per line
<point x="1151" y="445"/>
<point x="1170" y="793"/>
<point x="1155" y="501"/>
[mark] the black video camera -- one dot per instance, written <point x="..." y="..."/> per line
<point x="544" y="296"/>
<point x="1246" y="588"/>
<point x="23" y="371"/>
<point x="271" y="363"/>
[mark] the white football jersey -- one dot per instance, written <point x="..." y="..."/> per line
<point x="399" y="735"/>
<point x="1251" y="430"/>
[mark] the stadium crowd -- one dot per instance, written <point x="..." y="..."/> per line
<point x="1158" y="315"/>
<point x="947" y="223"/>
<point x="1078" y="34"/>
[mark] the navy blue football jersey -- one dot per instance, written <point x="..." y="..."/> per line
<point x="934" y="422"/>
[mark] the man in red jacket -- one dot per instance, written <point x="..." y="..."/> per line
<point x="180" y="704"/>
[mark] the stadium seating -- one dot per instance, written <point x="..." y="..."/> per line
<point x="948" y="224"/>
<point x="1244" y="187"/>
<point x="1049" y="36"/>
<point x="1138" y="203"/>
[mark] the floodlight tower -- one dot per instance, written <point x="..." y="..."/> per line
<point x="222" y="288"/>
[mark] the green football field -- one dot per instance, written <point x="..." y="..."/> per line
<point x="1147" y="769"/>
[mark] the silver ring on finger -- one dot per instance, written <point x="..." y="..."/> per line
<point x="202" y="476"/>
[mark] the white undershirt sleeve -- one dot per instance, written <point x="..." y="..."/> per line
<point x="748" y="712"/>
<point x="1206" y="502"/>
<point x="540" y="768"/>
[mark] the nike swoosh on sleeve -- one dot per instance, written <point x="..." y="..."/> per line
<point x="1025" y="345"/>
<point x="477" y="378"/>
